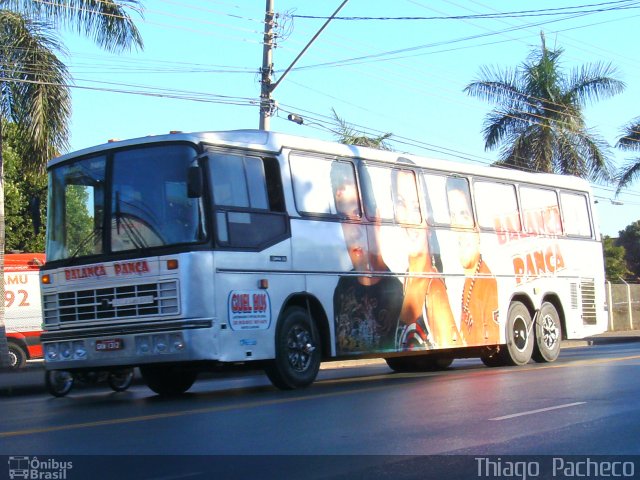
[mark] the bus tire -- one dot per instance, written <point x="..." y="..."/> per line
<point x="298" y="354"/>
<point x="548" y="331"/>
<point x="519" y="335"/>
<point x="418" y="363"/>
<point x="17" y="356"/>
<point x="400" y="364"/>
<point x="120" y="380"/>
<point x="493" y="357"/>
<point x="166" y="380"/>
<point x="58" y="382"/>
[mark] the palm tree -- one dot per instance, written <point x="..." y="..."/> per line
<point x="347" y="135"/>
<point x="34" y="82"/>
<point x="630" y="142"/>
<point x="538" y="122"/>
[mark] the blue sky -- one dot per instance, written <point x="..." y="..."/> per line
<point x="198" y="72"/>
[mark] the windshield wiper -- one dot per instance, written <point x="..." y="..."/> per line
<point x="92" y="236"/>
<point x="133" y="234"/>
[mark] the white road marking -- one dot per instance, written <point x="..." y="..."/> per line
<point x="531" y="412"/>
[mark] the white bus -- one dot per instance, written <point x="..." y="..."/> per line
<point x="184" y="252"/>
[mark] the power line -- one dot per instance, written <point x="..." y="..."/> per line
<point x="516" y="14"/>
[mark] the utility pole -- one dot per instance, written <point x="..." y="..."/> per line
<point x="267" y="104"/>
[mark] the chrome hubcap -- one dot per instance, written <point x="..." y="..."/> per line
<point x="301" y="348"/>
<point x="549" y="332"/>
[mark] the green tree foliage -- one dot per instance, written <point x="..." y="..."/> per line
<point x="615" y="264"/>
<point x="630" y="141"/>
<point x="34" y="82"/>
<point x="79" y="228"/>
<point x="538" y="123"/>
<point x="629" y="238"/>
<point x="25" y="199"/>
<point x="349" y="136"/>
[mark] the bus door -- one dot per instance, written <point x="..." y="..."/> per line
<point x="252" y="236"/>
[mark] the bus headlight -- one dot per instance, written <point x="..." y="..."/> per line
<point x="65" y="350"/>
<point x="51" y="352"/>
<point x="79" y="351"/>
<point x="177" y="343"/>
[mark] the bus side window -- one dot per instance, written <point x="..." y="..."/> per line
<point x="540" y="210"/>
<point x="247" y="192"/>
<point x="460" y="208"/>
<point x="274" y="185"/>
<point x="405" y="197"/>
<point x="376" y="190"/>
<point x="575" y="212"/>
<point x="497" y="206"/>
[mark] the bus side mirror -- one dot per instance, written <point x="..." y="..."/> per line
<point x="195" y="182"/>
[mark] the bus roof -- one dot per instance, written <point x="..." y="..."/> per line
<point x="274" y="142"/>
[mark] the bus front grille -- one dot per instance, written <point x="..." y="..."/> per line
<point x="128" y="301"/>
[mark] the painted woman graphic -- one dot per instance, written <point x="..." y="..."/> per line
<point x="479" y="301"/>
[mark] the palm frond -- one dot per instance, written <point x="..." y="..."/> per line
<point x="631" y="136"/>
<point x="37" y="86"/>
<point x="107" y="22"/>
<point x="628" y="173"/>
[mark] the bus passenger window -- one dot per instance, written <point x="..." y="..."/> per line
<point x="575" y="212"/>
<point x="540" y="211"/>
<point x="497" y="206"/>
<point x="312" y="184"/>
<point x="459" y="202"/>
<point x="405" y="196"/>
<point x="376" y="189"/>
<point x="238" y="181"/>
<point x="247" y="192"/>
<point x="345" y="190"/>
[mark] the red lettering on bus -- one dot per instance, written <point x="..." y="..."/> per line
<point x="126" y="268"/>
<point x="84" y="272"/>
<point x="537" y="263"/>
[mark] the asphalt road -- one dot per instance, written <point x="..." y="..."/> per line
<point x="359" y="421"/>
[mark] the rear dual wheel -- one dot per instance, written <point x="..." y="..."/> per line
<point x="520" y="340"/>
<point x="548" y="330"/>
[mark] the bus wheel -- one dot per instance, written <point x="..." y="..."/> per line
<point x="548" y="334"/>
<point x="519" y="335"/>
<point x="58" y="382"/>
<point x="297" y="351"/>
<point x="400" y="364"/>
<point x="418" y="363"/>
<point x="492" y="357"/>
<point x="166" y="380"/>
<point x="17" y="356"/>
<point x="120" y="380"/>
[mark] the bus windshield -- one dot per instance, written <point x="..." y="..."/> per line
<point x="145" y="204"/>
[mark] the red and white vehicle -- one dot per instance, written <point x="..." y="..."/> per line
<point x="23" y="312"/>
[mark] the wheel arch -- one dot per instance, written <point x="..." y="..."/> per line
<point x="318" y="316"/>
<point x="525" y="300"/>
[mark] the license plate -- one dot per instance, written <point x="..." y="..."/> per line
<point x="109" y="345"/>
